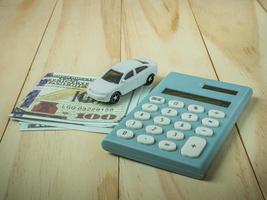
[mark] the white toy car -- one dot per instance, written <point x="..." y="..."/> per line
<point x="121" y="79"/>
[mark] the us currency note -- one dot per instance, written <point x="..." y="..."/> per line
<point x="30" y="125"/>
<point x="24" y="126"/>
<point x="63" y="98"/>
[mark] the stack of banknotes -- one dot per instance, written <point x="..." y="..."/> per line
<point x="59" y="101"/>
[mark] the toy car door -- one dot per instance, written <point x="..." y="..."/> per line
<point x="142" y="73"/>
<point x="128" y="82"/>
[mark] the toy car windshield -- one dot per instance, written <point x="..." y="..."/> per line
<point x="112" y="76"/>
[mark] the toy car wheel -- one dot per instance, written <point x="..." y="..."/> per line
<point x="115" y="97"/>
<point x="150" y="79"/>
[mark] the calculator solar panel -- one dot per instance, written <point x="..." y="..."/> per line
<point x="181" y="125"/>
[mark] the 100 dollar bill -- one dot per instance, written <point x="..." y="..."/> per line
<point x="25" y="126"/>
<point x="63" y="98"/>
<point x="30" y="125"/>
<point x="37" y="125"/>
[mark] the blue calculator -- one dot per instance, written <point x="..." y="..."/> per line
<point x="181" y="125"/>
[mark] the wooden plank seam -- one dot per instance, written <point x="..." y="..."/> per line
<point x="238" y="130"/>
<point x="37" y="49"/>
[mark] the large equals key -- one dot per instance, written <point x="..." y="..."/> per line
<point x="193" y="147"/>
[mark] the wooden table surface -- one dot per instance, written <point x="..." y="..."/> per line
<point x="217" y="39"/>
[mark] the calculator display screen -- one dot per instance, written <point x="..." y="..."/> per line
<point x="218" y="89"/>
<point x="196" y="97"/>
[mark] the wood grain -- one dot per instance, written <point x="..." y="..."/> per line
<point x="22" y="24"/>
<point x="237" y="44"/>
<point x="83" y="38"/>
<point x="181" y="49"/>
<point x="86" y="37"/>
<point x="263" y="3"/>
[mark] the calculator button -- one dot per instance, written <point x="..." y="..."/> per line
<point x="193" y="147"/>
<point x="182" y="125"/>
<point x="156" y="99"/>
<point x="176" y="104"/>
<point x="145" y="139"/>
<point x="210" y="122"/>
<point x="189" y="117"/>
<point x="169" y="112"/>
<point x="124" y="133"/>
<point x="167" y="145"/>
<point x="141" y="115"/>
<point x="175" y="135"/>
<point x="133" y="124"/>
<point x="161" y="120"/>
<point x="149" y="107"/>
<point x="196" y="108"/>
<point x="204" y="131"/>
<point x="153" y="129"/>
<point x="216" y="114"/>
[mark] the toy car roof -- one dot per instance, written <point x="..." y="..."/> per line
<point x="127" y="65"/>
